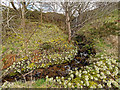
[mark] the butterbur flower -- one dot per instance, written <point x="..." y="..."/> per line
<point x="14" y="63"/>
<point x="98" y="63"/>
<point x="116" y="68"/>
<point x="114" y="61"/>
<point x="76" y="73"/>
<point x="94" y="86"/>
<point x="87" y="83"/>
<point x="76" y="69"/>
<point x="95" y="78"/>
<point x="58" y="80"/>
<point x="115" y="73"/>
<point x="62" y="78"/>
<point x="65" y="82"/>
<point x="82" y="82"/>
<point x="18" y="63"/>
<point x="98" y="75"/>
<point x="86" y="78"/>
<point x="88" y="70"/>
<point x="80" y="71"/>
<point x="115" y="83"/>
<point x="110" y="67"/>
<point x="56" y="77"/>
<point x="69" y="84"/>
<point x="79" y="75"/>
<point x="81" y="86"/>
<point x="51" y="78"/>
<point x="28" y="62"/>
<point x="91" y="77"/>
<point x="54" y="80"/>
<point x="78" y="85"/>
<point x="109" y="83"/>
<point x="69" y="79"/>
<point x="101" y="77"/>
<point x="71" y="71"/>
<point x="109" y="63"/>
<point x="46" y="76"/>
<point x="97" y="70"/>
<point x="105" y="67"/>
<point x="91" y="86"/>
<point x="108" y="72"/>
<point x="100" y="86"/>
<point x="93" y="72"/>
<point x="104" y="76"/>
<point x="71" y="75"/>
<point x="102" y="73"/>
<point x="85" y="72"/>
<point x="72" y="86"/>
<point x="104" y="81"/>
<point x="13" y="66"/>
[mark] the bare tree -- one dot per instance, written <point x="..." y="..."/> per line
<point x="21" y="9"/>
<point x="70" y="9"/>
<point x="39" y="6"/>
<point x="90" y="11"/>
<point x="66" y="7"/>
<point x="12" y="3"/>
<point x="78" y="14"/>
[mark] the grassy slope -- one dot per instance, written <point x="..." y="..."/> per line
<point x="47" y="34"/>
<point x="48" y="39"/>
<point x="104" y="35"/>
<point x="101" y="44"/>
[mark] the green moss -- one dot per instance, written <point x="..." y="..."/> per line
<point x="39" y="82"/>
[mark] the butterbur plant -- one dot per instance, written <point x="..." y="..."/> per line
<point x="101" y="76"/>
<point x="66" y="47"/>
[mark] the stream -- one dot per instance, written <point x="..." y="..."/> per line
<point x="63" y="69"/>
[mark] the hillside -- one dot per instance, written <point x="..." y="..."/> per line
<point x="104" y="32"/>
<point x="48" y="41"/>
<point x="88" y="61"/>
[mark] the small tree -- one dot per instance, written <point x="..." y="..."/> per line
<point x="66" y="8"/>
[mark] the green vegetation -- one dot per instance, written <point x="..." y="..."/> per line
<point x="52" y="43"/>
<point x="49" y="40"/>
<point x="104" y="33"/>
<point x="97" y="75"/>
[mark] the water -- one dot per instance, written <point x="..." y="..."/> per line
<point x="79" y="61"/>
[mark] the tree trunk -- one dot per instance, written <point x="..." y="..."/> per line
<point x="23" y="25"/>
<point x="23" y="21"/>
<point x="68" y="22"/>
<point x="8" y="10"/>
<point x="69" y="29"/>
<point x="41" y="16"/>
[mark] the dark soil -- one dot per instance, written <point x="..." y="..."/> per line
<point x="85" y="50"/>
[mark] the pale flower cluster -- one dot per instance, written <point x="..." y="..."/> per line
<point x="87" y="77"/>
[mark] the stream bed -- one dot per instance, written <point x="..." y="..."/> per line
<point x="60" y="70"/>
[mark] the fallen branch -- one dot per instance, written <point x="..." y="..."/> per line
<point x="28" y="73"/>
